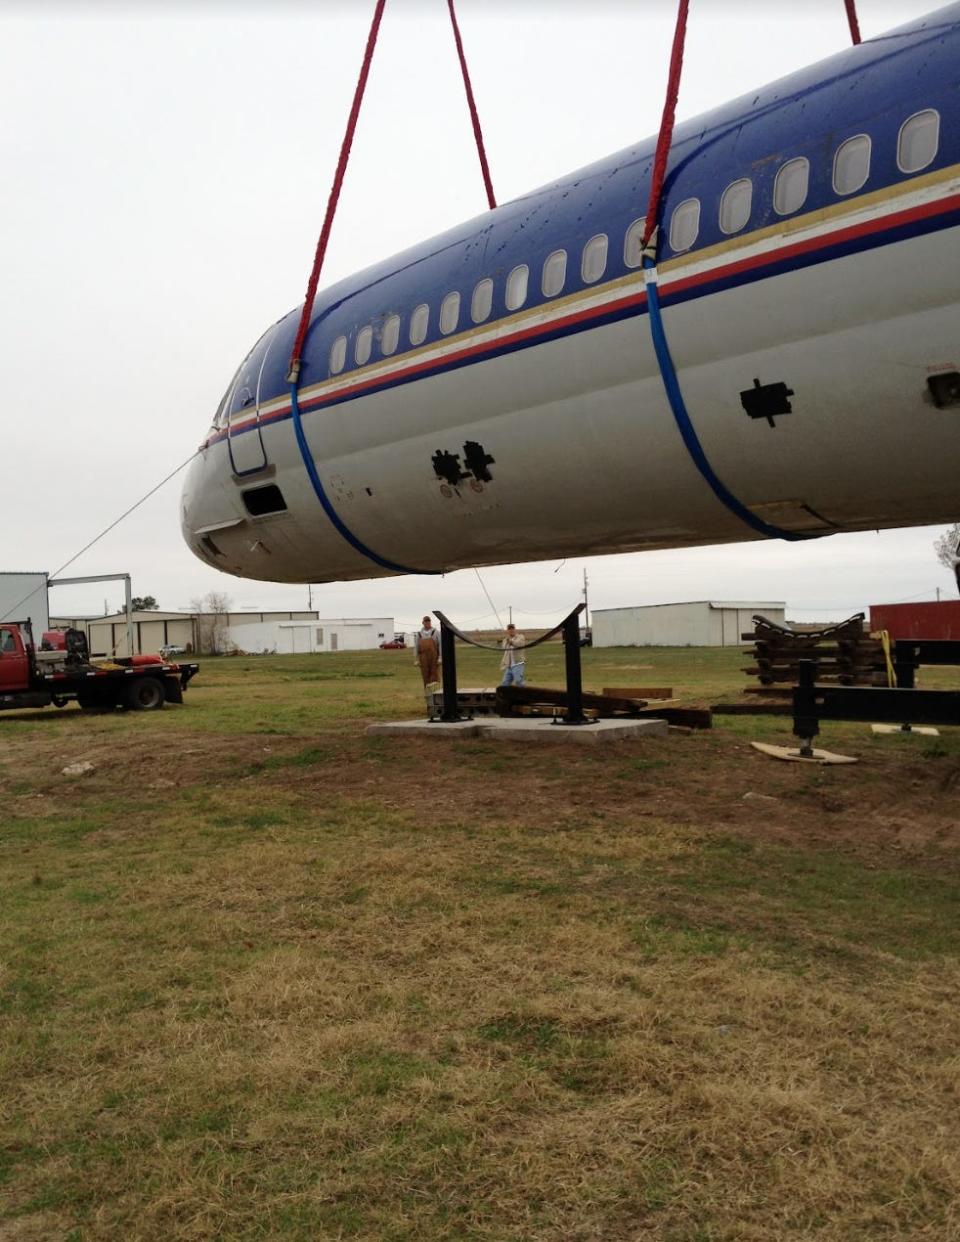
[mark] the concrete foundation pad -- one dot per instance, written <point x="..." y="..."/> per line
<point x="424" y="728"/>
<point x="525" y="729"/>
<point x="539" y="729"/>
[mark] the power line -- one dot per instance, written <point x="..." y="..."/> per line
<point x="106" y="530"/>
<point x="489" y="600"/>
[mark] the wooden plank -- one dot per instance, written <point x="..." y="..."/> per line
<point x="542" y="696"/>
<point x="753" y="709"/>
<point x="639" y="692"/>
<point x="687" y="717"/>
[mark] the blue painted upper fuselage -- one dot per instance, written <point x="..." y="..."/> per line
<point x="871" y="89"/>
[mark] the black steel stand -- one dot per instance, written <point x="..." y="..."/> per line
<point x="806" y="724"/>
<point x="448" y="660"/>
<point x="571" y="659"/>
<point x="902" y="705"/>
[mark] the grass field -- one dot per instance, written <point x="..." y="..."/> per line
<point x="263" y="977"/>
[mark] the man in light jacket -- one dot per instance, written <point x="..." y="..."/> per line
<point x="514" y="657"/>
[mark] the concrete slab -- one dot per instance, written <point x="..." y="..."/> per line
<point x="540" y="729"/>
<point x="424" y="728"/>
<point x="525" y="729"/>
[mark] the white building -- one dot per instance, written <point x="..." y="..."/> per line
<point x="23" y="597"/>
<point x="292" y="637"/>
<point x="702" y="623"/>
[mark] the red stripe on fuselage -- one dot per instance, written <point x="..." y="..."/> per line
<point x="668" y="289"/>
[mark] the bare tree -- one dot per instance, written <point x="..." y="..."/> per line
<point x="212" y="613"/>
<point x="947" y="548"/>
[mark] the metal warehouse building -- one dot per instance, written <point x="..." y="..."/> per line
<point x="153" y="629"/>
<point x="297" y="635"/>
<point x="701" y="623"/>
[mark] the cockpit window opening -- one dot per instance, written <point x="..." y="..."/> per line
<point x="390" y="336"/>
<point x="851" y="164"/>
<point x="419" y="322"/>
<point x="593" y="261"/>
<point x="735" y="204"/>
<point x="791" y="185"/>
<point x="338" y="355"/>
<point x="364" y="345"/>
<point x="554" y="273"/>
<point x="918" y="141"/>
<point x="685" y="224"/>
<point x="517" y="282"/>
<point x="449" y="313"/>
<point x="482" y="301"/>
<point x="633" y="243"/>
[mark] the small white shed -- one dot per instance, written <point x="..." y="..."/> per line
<point x="699" y="623"/>
<point x="303" y="637"/>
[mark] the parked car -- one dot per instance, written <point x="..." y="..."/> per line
<point x="393" y="644"/>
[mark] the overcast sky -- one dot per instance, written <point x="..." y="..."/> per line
<point x="165" y="167"/>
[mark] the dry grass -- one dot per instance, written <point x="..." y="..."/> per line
<point x="262" y="977"/>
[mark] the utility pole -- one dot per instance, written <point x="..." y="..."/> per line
<point x="938" y="595"/>
<point x="586" y="600"/>
<point x="510" y="610"/>
<point x="310" y="597"/>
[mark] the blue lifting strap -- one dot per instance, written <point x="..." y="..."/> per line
<point x="314" y="476"/>
<point x="689" y="436"/>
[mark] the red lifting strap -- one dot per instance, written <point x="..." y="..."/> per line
<point x="304" y="326"/>
<point x="294" y="369"/>
<point x="851" y="6"/>
<point x="667" y="121"/>
<point x="471" y="104"/>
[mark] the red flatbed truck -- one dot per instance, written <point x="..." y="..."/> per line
<point x="31" y="678"/>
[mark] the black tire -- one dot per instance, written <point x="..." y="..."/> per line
<point x="145" y="694"/>
<point x="59" y="701"/>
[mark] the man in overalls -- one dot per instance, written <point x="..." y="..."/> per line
<point x="427" y="646"/>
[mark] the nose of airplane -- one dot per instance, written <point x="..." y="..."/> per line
<point x="206" y="511"/>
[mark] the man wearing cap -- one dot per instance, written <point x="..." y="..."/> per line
<point x="426" y="644"/>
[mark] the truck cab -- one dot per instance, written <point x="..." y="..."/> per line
<point x="14" y="660"/>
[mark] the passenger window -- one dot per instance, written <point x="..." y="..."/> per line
<point x="364" y="345"/>
<point x="633" y="244"/>
<point x="735" y="203"/>
<point x="851" y="164"/>
<point x="449" y="313"/>
<point x="390" y="336"/>
<point x="338" y="355"/>
<point x="918" y="141"/>
<point x="685" y="224"/>
<point x="790" y="186"/>
<point x="517" y="281"/>
<point x="419" y="322"/>
<point x="554" y="273"/>
<point x="6" y="641"/>
<point x="593" y="262"/>
<point x="482" y="301"/>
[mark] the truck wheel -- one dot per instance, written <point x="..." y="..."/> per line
<point x="146" y="694"/>
<point x="59" y="701"/>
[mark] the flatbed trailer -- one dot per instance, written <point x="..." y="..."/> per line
<point x="29" y="678"/>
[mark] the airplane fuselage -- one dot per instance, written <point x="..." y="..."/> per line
<point x="493" y="395"/>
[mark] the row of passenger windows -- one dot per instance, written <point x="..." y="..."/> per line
<point x="916" y="148"/>
<point x="553" y="278"/>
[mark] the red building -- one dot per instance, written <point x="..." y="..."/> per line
<point x="922" y="621"/>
